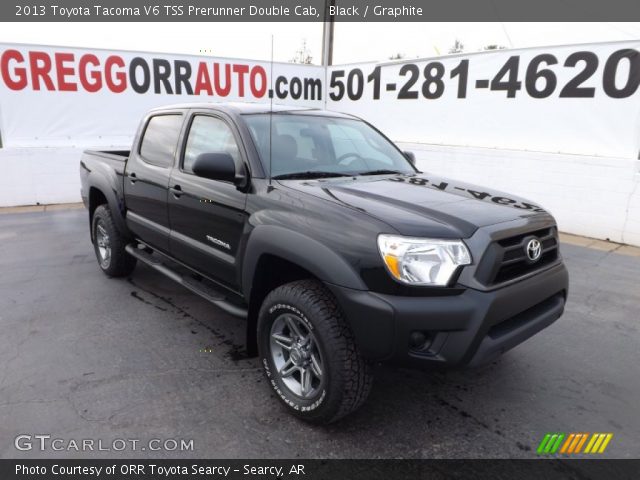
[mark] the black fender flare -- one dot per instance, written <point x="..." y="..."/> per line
<point x="306" y="252"/>
<point x="109" y="188"/>
<point x="374" y="338"/>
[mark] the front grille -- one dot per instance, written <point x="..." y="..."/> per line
<point x="506" y="258"/>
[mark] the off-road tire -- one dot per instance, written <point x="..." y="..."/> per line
<point x="347" y="377"/>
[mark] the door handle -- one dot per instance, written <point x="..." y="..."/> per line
<point x="176" y="190"/>
<point x="133" y="177"/>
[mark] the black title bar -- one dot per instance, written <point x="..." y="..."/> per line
<point x="318" y="469"/>
<point x="318" y="10"/>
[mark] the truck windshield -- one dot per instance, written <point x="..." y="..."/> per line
<point x="305" y="146"/>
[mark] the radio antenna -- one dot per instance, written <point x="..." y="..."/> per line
<point x="270" y="110"/>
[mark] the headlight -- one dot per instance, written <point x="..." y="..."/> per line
<point x="422" y="261"/>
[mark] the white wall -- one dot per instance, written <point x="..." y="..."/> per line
<point x="39" y="175"/>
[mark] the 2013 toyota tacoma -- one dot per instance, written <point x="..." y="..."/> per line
<point x="319" y="231"/>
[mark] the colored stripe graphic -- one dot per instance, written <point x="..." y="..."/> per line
<point x="565" y="447"/>
<point x="543" y="443"/>
<point x="606" y="442"/>
<point x="576" y="444"/>
<point x="572" y="443"/>
<point x="556" y="445"/>
<point x="550" y="443"/>
<point x="581" y="443"/>
<point x="598" y="442"/>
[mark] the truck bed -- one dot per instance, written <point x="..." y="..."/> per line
<point x="107" y="165"/>
<point x="114" y="158"/>
<point x="119" y="156"/>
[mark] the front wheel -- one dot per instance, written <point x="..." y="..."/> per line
<point x="309" y="353"/>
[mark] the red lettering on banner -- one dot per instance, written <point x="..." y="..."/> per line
<point x="96" y="83"/>
<point x="203" y="82"/>
<point x="258" y="71"/>
<point x="63" y="72"/>
<point x="240" y="70"/>
<point x="223" y="92"/>
<point x="40" y="65"/>
<point x="20" y="72"/>
<point x="92" y="73"/>
<point x="120" y="85"/>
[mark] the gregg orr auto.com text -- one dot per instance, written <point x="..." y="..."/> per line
<point x="94" y="72"/>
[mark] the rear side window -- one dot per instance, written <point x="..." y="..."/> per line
<point x="160" y="139"/>
<point x="208" y="135"/>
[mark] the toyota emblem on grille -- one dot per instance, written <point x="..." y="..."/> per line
<point x="534" y="249"/>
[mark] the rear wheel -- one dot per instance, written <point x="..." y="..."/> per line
<point x="309" y="353"/>
<point x="109" y="245"/>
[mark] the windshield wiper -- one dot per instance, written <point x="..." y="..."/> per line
<point x="382" y="172"/>
<point x="310" y="174"/>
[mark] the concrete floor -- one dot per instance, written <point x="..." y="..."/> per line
<point x="85" y="356"/>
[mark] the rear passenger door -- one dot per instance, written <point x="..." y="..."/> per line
<point x="147" y="179"/>
<point x="207" y="216"/>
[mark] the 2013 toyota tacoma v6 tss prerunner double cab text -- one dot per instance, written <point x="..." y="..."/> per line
<point x="319" y="231"/>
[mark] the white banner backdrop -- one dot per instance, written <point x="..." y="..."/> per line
<point x="577" y="99"/>
<point x="59" y="96"/>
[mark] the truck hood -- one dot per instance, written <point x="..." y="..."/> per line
<point x="422" y="205"/>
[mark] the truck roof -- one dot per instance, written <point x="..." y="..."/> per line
<point x="245" y="108"/>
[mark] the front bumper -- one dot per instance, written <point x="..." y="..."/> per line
<point x="470" y="328"/>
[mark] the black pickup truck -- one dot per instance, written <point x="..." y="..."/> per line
<point x="319" y="231"/>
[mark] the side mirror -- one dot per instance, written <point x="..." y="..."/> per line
<point x="411" y="157"/>
<point x="215" y="166"/>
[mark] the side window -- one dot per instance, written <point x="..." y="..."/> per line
<point x="208" y="135"/>
<point x="160" y="139"/>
